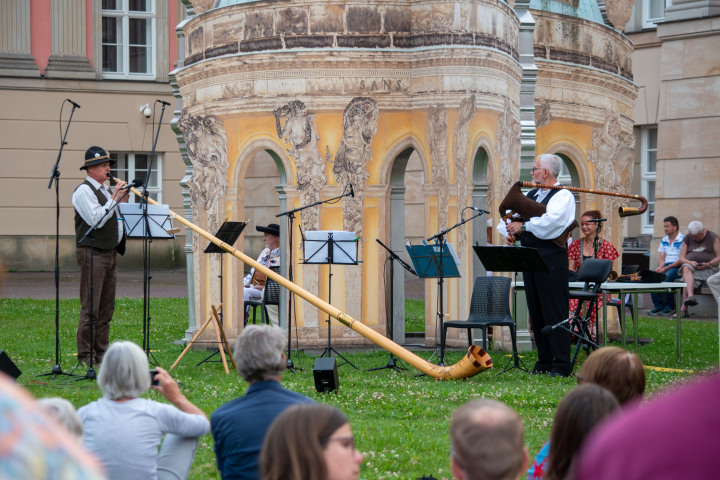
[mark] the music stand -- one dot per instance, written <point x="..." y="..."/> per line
<point x="146" y="221"/>
<point x="329" y="247"/>
<point x="512" y="259"/>
<point x="228" y="233"/>
<point x="392" y="256"/>
<point x="436" y="261"/>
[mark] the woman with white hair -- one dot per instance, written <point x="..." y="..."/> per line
<point x="699" y="257"/>
<point x="125" y="431"/>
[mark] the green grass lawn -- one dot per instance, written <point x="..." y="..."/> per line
<point x="400" y="420"/>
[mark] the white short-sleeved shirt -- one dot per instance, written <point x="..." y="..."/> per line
<point x="671" y="250"/>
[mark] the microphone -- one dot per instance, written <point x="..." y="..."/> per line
<point x="352" y="192"/>
<point x="164" y="102"/>
<point x="73" y="103"/>
<point x="549" y="329"/>
<point x="478" y="209"/>
<point x="138" y="182"/>
<point x="596" y="220"/>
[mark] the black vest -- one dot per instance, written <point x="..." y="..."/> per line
<point x="527" y="239"/>
<point x="106" y="237"/>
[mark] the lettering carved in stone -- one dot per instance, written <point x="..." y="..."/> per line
<point x="438" y="141"/>
<point x="466" y="112"/>
<point x="359" y="127"/>
<point x="206" y="145"/>
<point x="297" y="127"/>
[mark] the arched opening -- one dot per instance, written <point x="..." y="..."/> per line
<point x="481" y="231"/>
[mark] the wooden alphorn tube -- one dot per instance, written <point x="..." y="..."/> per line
<point x="475" y="361"/>
<point x="622" y="211"/>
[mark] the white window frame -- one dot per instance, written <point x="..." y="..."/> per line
<point x="124" y="14"/>
<point x="647" y="177"/>
<point x="155" y="191"/>
<point x="648" y="22"/>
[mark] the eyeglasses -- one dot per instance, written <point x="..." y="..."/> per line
<point x="534" y="169"/>
<point x="345" y="442"/>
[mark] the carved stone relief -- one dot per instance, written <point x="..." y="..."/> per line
<point x="359" y="127"/>
<point x="297" y="127"/>
<point x="507" y="151"/>
<point x="466" y="112"/>
<point x="438" y="141"/>
<point x="619" y="12"/>
<point x="612" y="153"/>
<point x="206" y="145"/>
<point x="543" y="115"/>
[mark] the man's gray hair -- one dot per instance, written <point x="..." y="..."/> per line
<point x="487" y="440"/>
<point x="695" y="227"/>
<point x="259" y="353"/>
<point x="125" y="371"/>
<point x="552" y="162"/>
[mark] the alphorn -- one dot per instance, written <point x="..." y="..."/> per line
<point x="475" y="361"/>
<point x="622" y="211"/>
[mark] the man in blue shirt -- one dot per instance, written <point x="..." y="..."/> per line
<point x="239" y="426"/>
<point x="668" y="263"/>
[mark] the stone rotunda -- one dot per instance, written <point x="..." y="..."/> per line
<point x="424" y="107"/>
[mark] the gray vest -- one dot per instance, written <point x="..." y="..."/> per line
<point x="106" y="237"/>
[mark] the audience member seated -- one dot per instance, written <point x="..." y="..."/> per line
<point x="700" y="257"/>
<point x="670" y="437"/>
<point x="65" y="414"/>
<point x="487" y="442"/>
<point x="669" y="264"/>
<point x="578" y="412"/>
<point x="713" y="282"/>
<point x="613" y="368"/>
<point x="310" y="442"/>
<point x="125" y="431"/>
<point x="239" y="426"/>
<point x="584" y="248"/>
<point x="269" y="257"/>
<point x="31" y="447"/>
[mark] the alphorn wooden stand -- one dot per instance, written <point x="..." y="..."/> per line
<point x="222" y="342"/>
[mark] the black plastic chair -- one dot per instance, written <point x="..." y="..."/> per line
<point x="271" y="296"/>
<point x="593" y="272"/>
<point x="490" y="306"/>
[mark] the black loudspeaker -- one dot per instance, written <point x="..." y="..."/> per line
<point x="8" y="367"/>
<point x="326" y="374"/>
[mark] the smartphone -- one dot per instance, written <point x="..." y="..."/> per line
<point x="153" y="378"/>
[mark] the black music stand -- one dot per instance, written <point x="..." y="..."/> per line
<point x="392" y="256"/>
<point x="325" y="249"/>
<point x="435" y="261"/>
<point x="228" y="233"/>
<point x="512" y="259"/>
<point x="146" y="221"/>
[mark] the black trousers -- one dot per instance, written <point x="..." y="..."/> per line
<point x="547" y="298"/>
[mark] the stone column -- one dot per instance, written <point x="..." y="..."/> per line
<point x="68" y="57"/>
<point x="15" y="57"/>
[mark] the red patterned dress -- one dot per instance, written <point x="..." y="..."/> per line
<point x="606" y="251"/>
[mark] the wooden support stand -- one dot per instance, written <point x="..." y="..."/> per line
<point x="222" y="342"/>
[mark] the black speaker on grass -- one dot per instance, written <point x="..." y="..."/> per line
<point x="7" y="366"/>
<point x="326" y="374"/>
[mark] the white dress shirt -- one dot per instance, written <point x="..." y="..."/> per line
<point x="88" y="207"/>
<point x="559" y="214"/>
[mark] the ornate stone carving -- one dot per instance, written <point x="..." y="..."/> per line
<point x="612" y="153"/>
<point x="438" y="141"/>
<point x="466" y="112"/>
<point x="200" y="6"/>
<point x="507" y="150"/>
<point x="359" y="127"/>
<point x="543" y="115"/>
<point x="619" y="12"/>
<point x="297" y="127"/>
<point x="206" y="145"/>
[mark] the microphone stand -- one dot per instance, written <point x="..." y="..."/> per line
<point x="439" y="239"/>
<point x="291" y="217"/>
<point x="147" y="240"/>
<point x="55" y="177"/>
<point x="392" y="256"/>
<point x="91" y="375"/>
